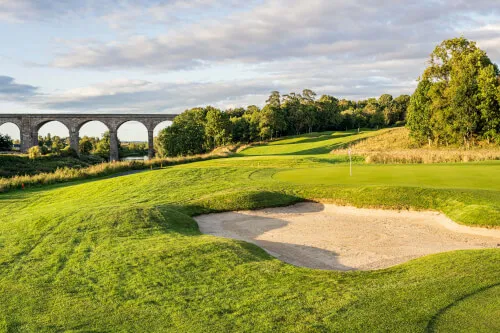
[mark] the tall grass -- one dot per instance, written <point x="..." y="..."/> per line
<point x="66" y="174"/>
<point x="396" y="146"/>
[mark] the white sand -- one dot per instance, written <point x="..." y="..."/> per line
<point x="346" y="238"/>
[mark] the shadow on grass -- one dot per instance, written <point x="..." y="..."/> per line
<point x="431" y="326"/>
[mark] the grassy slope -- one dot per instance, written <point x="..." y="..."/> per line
<point x="124" y="254"/>
<point x="308" y="144"/>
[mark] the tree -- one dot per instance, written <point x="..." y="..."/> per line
<point x="252" y="117"/>
<point x="328" y="113"/>
<point x="6" y="143"/>
<point x="272" y="117"/>
<point x="489" y="102"/>
<point x="402" y="103"/>
<point x="291" y="107"/>
<point x="309" y="109"/>
<point x="419" y="113"/>
<point x="460" y="92"/>
<point x="217" y="128"/>
<point x="240" y="129"/>
<point x="86" y="146"/>
<point x="385" y="101"/>
<point x="45" y="141"/>
<point x="102" y="147"/>
<point x="186" y="135"/>
<point x="455" y="102"/>
<point x="57" y="144"/>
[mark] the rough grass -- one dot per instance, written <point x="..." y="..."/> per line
<point x="20" y="165"/>
<point x="124" y="254"/>
<point x="395" y="146"/>
<point x="66" y="173"/>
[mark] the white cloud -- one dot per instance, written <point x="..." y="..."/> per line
<point x="353" y="49"/>
<point x="279" y="29"/>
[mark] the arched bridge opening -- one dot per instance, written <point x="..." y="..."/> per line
<point x="30" y="124"/>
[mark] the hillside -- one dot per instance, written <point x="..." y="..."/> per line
<point x="124" y="254"/>
<point x="396" y="146"/>
<point x="18" y="165"/>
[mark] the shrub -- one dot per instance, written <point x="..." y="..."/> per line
<point x="35" y="152"/>
<point x="68" y="152"/>
<point x="6" y="143"/>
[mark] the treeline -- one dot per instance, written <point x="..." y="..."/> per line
<point x="457" y="100"/>
<point x="199" y="130"/>
<point x="55" y="145"/>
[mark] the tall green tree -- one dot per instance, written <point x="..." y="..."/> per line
<point x="328" y="113"/>
<point x="460" y="85"/>
<point x="294" y="111"/>
<point x="420" y="113"/>
<point x="309" y="109"/>
<point x="85" y="146"/>
<point x="186" y="135"/>
<point x="489" y="102"/>
<point x="217" y="128"/>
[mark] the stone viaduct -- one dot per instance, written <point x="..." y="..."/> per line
<point x="29" y="124"/>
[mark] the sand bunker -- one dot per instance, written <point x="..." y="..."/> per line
<point x="347" y="238"/>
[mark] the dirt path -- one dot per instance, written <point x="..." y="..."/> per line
<point x="346" y="238"/>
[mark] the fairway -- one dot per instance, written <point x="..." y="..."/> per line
<point x="124" y="253"/>
<point x="474" y="176"/>
<point x="314" y="143"/>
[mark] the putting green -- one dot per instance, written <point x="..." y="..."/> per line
<point x="477" y="176"/>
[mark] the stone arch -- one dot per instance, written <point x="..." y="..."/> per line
<point x="85" y="122"/>
<point x="120" y="124"/>
<point x="149" y="130"/>
<point x="16" y="125"/>
<point x="14" y="121"/>
<point x="156" y="125"/>
<point x="38" y="126"/>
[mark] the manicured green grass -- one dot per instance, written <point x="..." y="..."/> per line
<point x="484" y="176"/>
<point x="124" y="254"/>
<point x="456" y="317"/>
<point x="310" y="144"/>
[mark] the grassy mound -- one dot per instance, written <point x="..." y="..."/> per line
<point x="124" y="254"/>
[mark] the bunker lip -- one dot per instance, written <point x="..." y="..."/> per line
<point x="327" y="236"/>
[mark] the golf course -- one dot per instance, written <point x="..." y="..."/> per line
<point x="125" y="254"/>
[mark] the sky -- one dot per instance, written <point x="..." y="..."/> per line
<point x="153" y="56"/>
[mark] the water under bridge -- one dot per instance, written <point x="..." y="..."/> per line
<point x="30" y="124"/>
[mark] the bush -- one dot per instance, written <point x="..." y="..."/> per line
<point x="400" y="123"/>
<point x="6" y="143"/>
<point x="35" y="152"/>
<point x="68" y="152"/>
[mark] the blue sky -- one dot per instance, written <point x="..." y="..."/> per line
<point x="152" y="56"/>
